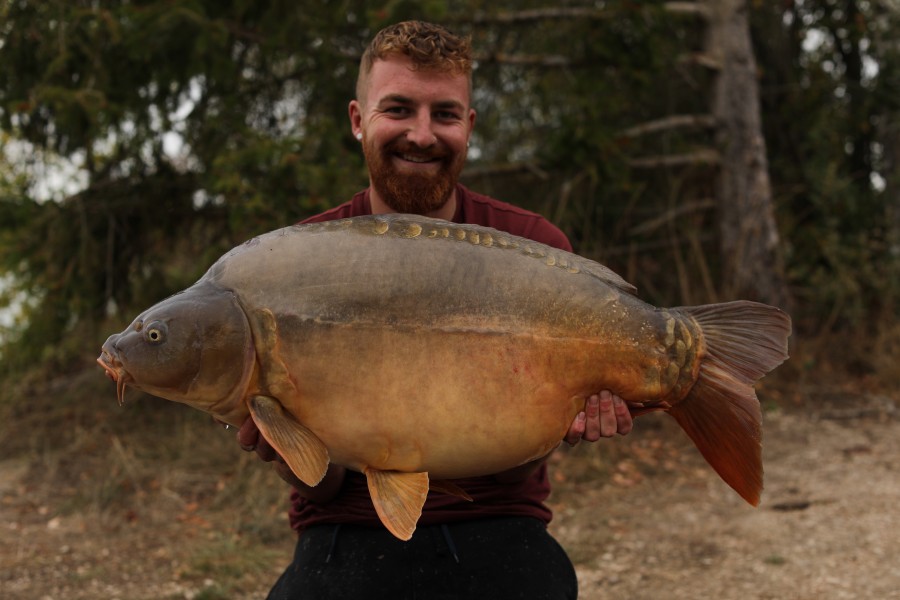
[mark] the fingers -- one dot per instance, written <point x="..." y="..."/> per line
<point x="614" y="416"/>
<point x="248" y="435"/>
<point x="576" y="430"/>
<point x="600" y="417"/>
<point x="607" y="416"/>
<point x="604" y="415"/>
<point x="249" y="438"/>
<point x="266" y="452"/>
<point x="287" y="475"/>
<point x="624" y="420"/>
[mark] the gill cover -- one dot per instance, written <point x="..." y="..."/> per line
<point x="194" y="347"/>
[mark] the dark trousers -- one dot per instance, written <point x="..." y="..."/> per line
<point x="491" y="559"/>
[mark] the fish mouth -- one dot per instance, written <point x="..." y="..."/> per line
<point x="116" y="372"/>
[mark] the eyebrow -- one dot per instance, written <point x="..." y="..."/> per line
<point x="405" y="100"/>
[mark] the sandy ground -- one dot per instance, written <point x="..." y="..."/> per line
<point x="828" y="526"/>
<point x="643" y="518"/>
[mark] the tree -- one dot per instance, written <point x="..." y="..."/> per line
<point x="109" y="87"/>
<point x="825" y="116"/>
<point x="750" y="241"/>
<point x="195" y="124"/>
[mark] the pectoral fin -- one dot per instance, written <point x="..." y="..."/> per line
<point x="303" y="452"/>
<point x="398" y="498"/>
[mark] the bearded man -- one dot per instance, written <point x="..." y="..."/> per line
<point x="413" y="117"/>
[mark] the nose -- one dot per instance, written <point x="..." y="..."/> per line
<point x="421" y="132"/>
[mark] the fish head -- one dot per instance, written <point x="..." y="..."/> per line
<point x="194" y="347"/>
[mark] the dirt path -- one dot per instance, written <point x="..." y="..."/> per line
<point x="828" y="526"/>
<point x="662" y="526"/>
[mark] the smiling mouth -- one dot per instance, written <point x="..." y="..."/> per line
<point x="417" y="159"/>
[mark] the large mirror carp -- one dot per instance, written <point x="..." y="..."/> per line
<point x="419" y="351"/>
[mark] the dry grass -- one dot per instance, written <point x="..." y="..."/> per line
<point x="150" y="465"/>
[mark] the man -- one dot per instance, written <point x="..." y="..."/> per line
<point x="413" y="117"/>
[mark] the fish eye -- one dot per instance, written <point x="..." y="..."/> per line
<point x="155" y="333"/>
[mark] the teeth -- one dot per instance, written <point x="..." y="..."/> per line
<point x="416" y="159"/>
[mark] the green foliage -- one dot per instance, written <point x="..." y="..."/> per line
<point x="822" y="113"/>
<point x="260" y="137"/>
<point x="198" y="123"/>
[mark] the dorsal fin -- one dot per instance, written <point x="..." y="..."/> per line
<point x="415" y="226"/>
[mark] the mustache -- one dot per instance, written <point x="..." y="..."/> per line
<point x="403" y="147"/>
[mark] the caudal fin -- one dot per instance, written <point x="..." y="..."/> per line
<point x="721" y="414"/>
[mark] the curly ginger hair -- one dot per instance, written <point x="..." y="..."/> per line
<point x="429" y="46"/>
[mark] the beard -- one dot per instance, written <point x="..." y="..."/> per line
<point x="414" y="193"/>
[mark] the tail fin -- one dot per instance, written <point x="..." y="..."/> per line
<point x="721" y="414"/>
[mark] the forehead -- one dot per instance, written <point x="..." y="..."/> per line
<point x="395" y="76"/>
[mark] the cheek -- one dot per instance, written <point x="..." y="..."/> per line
<point x="455" y="139"/>
<point x="164" y="366"/>
<point x="382" y="130"/>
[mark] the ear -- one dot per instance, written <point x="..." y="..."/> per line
<point x="355" y="112"/>
<point x="471" y="125"/>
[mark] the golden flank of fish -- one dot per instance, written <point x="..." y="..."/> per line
<point x="420" y="351"/>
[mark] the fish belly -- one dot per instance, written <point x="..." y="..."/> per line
<point x="453" y="403"/>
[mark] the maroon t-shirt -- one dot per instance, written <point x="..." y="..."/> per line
<point x="490" y="498"/>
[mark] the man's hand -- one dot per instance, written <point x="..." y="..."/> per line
<point x="250" y="440"/>
<point x="604" y="415"/>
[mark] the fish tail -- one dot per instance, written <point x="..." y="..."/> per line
<point x="721" y="413"/>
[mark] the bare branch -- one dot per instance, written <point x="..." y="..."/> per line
<point x="528" y="60"/>
<point x="671" y="215"/>
<point x="703" y="59"/>
<point x="537" y="14"/>
<point x="633" y="248"/>
<point x="698" y="157"/>
<point x="671" y="122"/>
<point x="505" y="169"/>
<point x="574" y="12"/>
<point x="688" y="8"/>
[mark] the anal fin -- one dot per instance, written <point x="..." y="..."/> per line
<point x="303" y="452"/>
<point x="398" y="498"/>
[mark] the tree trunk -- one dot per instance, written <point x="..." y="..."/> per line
<point x="890" y="141"/>
<point x="753" y="266"/>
